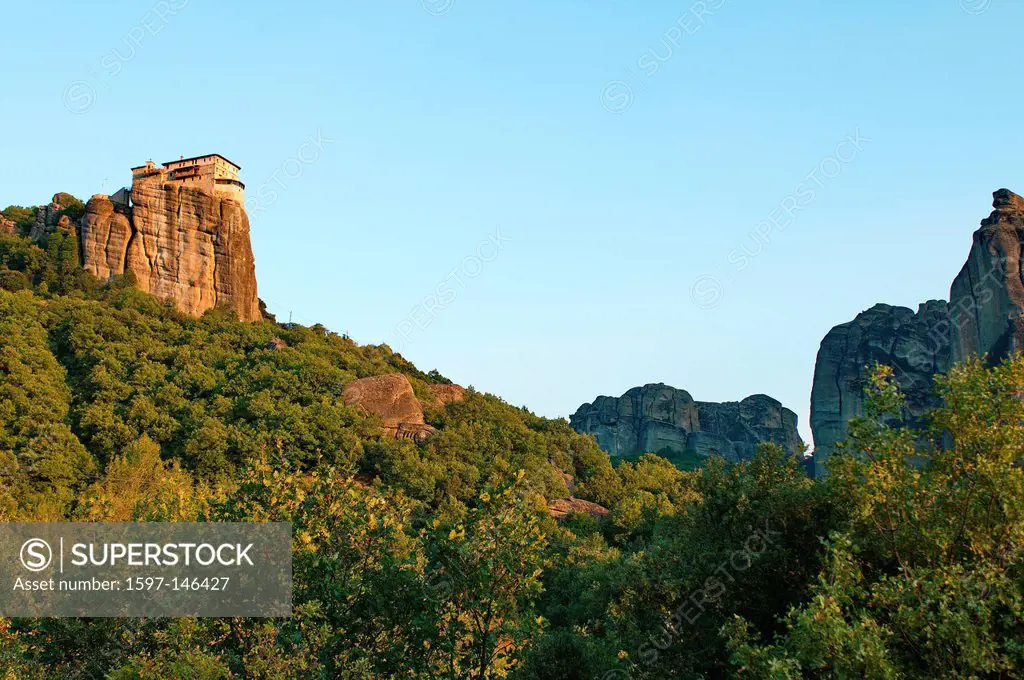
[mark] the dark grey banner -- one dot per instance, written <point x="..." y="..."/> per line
<point x="145" y="569"/>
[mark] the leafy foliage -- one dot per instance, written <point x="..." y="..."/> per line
<point x="439" y="560"/>
<point x="23" y="218"/>
<point x="925" y="579"/>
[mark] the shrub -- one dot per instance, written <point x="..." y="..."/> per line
<point x="13" y="281"/>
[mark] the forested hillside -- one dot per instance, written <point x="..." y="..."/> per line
<point x="439" y="558"/>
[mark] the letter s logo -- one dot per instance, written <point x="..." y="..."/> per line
<point x="36" y="554"/>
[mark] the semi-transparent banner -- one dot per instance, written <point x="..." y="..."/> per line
<point x="137" y="569"/>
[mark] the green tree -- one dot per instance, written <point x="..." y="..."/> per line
<point x="42" y="462"/>
<point x="925" y="580"/>
<point x="20" y="254"/>
<point x="21" y="216"/>
<point x="183" y="653"/>
<point x="484" y="576"/>
<point x="355" y="569"/>
<point x="140" y="487"/>
<point x="65" y="268"/>
<point x="13" y="281"/>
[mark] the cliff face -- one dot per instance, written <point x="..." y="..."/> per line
<point x="734" y="429"/>
<point x="180" y="243"/>
<point x="915" y="345"/>
<point x="659" y="418"/>
<point x="983" y="316"/>
<point x="105" y="236"/>
<point x="987" y="296"/>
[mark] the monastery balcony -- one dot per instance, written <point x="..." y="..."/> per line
<point x="191" y="171"/>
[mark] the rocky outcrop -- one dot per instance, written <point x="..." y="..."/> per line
<point x="443" y="394"/>
<point x="661" y="419"/>
<point x="916" y="345"/>
<point x="7" y="227"/>
<point x="65" y="224"/>
<point x="47" y="216"/>
<point x="105" y="237"/>
<point x="193" y="248"/>
<point x="983" y="316"/>
<point x="735" y="429"/>
<point x="180" y="243"/>
<point x="987" y="296"/>
<point x="562" y="508"/>
<point x="644" y="419"/>
<point x="391" y="398"/>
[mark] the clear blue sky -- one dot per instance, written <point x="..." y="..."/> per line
<point x="450" y="120"/>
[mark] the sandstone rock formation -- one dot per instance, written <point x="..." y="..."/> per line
<point x="983" y="316"/>
<point x="661" y="419"/>
<point x="644" y="419"/>
<point x="987" y="296"/>
<point x="444" y="394"/>
<point x="915" y="345"/>
<point x="391" y="398"/>
<point x="65" y="224"/>
<point x="47" y="216"/>
<point x="105" y="236"/>
<point x="735" y="429"/>
<point x="180" y="243"/>
<point x="563" y="507"/>
<point x="7" y="227"/>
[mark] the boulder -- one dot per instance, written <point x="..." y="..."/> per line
<point x="65" y="225"/>
<point x="391" y="398"/>
<point x="657" y="418"/>
<point x="562" y="508"/>
<point x="443" y="394"/>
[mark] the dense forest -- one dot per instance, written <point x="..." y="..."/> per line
<point x="439" y="558"/>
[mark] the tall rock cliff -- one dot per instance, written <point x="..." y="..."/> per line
<point x="987" y="297"/>
<point x="983" y="316"/>
<point x="915" y="345"/>
<point x="661" y="419"/>
<point x="180" y="243"/>
<point x="105" y="235"/>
